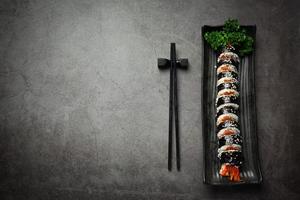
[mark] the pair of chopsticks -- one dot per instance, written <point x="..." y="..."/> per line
<point x="173" y="63"/>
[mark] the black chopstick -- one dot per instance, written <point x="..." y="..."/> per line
<point x="170" y="118"/>
<point x="176" y="119"/>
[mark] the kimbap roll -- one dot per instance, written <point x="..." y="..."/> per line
<point x="227" y="116"/>
<point x="228" y="57"/>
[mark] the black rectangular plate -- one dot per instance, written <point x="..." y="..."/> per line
<point x="250" y="171"/>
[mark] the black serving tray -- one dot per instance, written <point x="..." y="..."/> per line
<point x="250" y="171"/>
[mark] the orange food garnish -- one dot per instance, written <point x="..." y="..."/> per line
<point x="230" y="170"/>
<point x="227" y="80"/>
<point x="229" y="132"/>
<point x="228" y="93"/>
<point x="231" y="148"/>
<point x="225" y="68"/>
<point x="226" y="118"/>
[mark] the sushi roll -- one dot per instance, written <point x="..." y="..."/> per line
<point x="230" y="140"/>
<point x="228" y="131"/>
<point x="233" y="157"/>
<point x="227" y="108"/>
<point x="227" y="92"/>
<point x="228" y="148"/>
<point x="228" y="124"/>
<point x="227" y="116"/>
<point x="233" y="86"/>
<point x="228" y="74"/>
<point x="226" y="68"/>
<point x="228" y="57"/>
<point x="225" y="99"/>
<point x="227" y="80"/>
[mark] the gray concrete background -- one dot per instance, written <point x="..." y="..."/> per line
<point x="84" y="109"/>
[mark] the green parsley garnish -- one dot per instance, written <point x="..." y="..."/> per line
<point x="232" y="35"/>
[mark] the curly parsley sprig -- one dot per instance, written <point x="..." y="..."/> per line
<point x="231" y="35"/>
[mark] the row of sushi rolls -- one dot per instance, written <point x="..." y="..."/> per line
<point x="227" y="116"/>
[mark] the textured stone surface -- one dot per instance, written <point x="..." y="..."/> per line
<point x="84" y="109"/>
